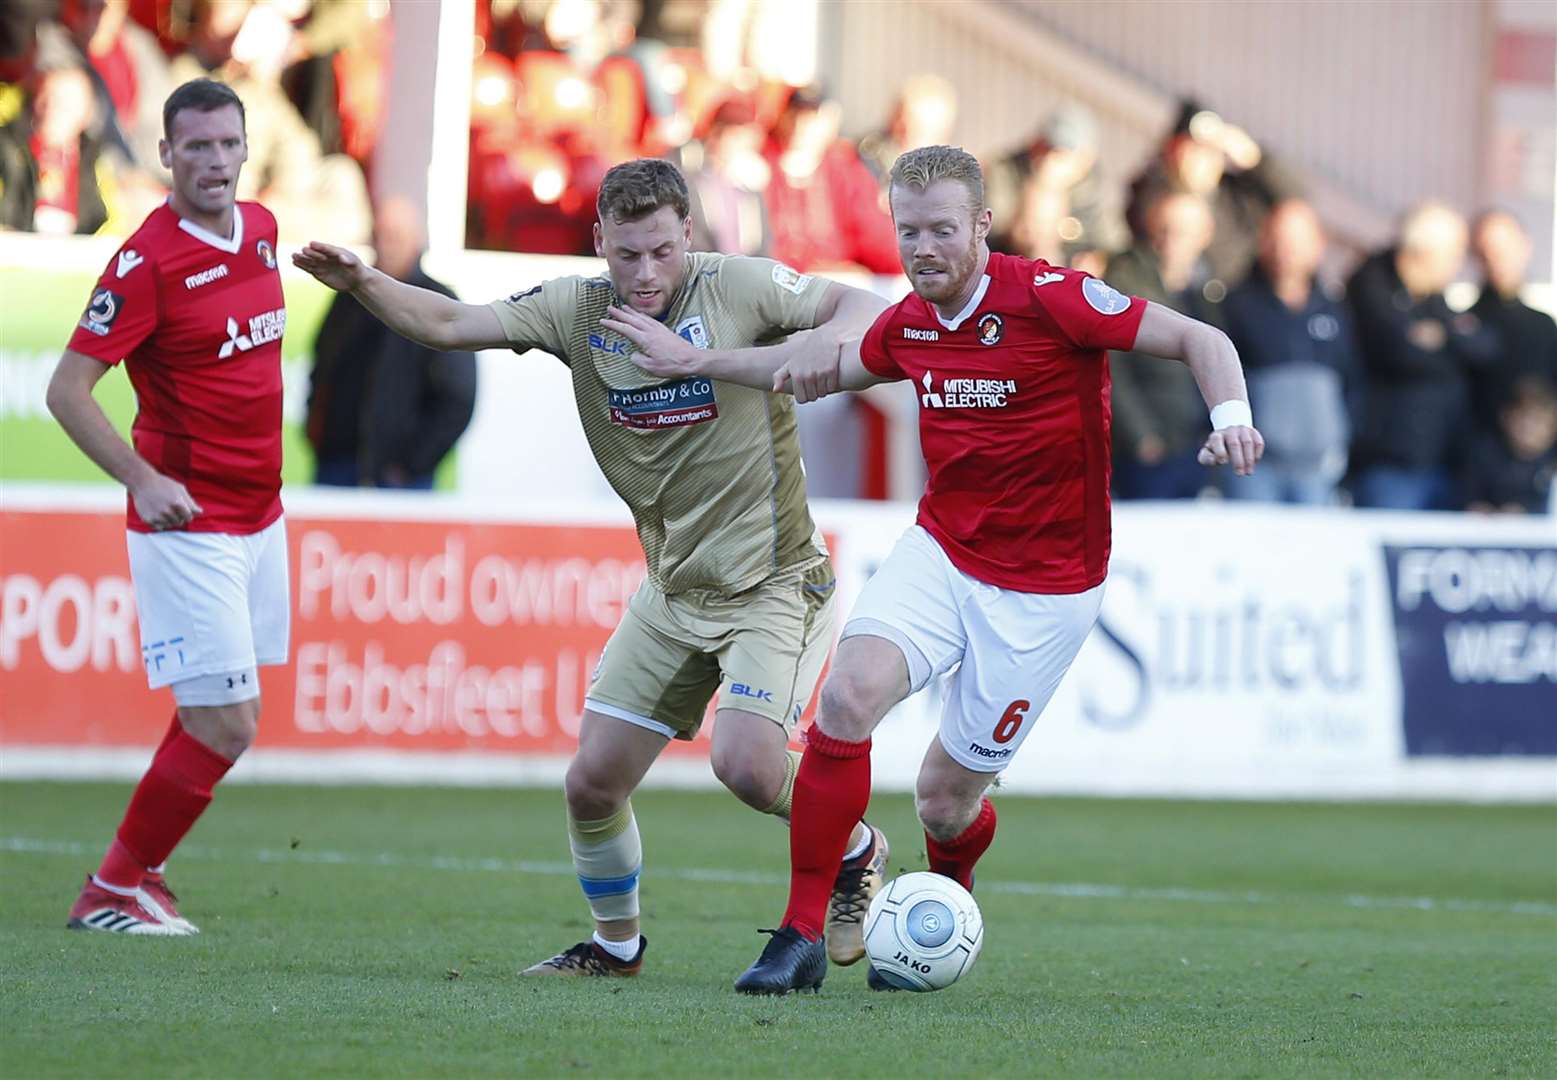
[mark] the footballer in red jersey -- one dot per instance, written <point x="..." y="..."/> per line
<point x="1013" y="419"/>
<point x="192" y="305"/>
<point x="197" y="320"/>
<point x="1002" y="576"/>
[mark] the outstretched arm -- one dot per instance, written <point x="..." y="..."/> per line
<point x="426" y="317"/>
<point x="1211" y="356"/>
<point x="810" y="364"/>
<point x="830" y="360"/>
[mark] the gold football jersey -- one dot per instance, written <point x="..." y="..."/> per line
<point x="710" y="470"/>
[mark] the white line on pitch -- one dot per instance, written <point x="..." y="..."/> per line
<point x="462" y="864"/>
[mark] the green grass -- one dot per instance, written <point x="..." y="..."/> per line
<point x="377" y="931"/>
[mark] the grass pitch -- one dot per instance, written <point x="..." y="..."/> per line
<point x="377" y="932"/>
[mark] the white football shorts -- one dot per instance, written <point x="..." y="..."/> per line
<point x="1013" y="647"/>
<point x="210" y="603"/>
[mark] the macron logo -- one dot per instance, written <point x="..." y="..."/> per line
<point x="129" y="259"/>
<point x="1046" y="279"/>
<point x="912" y="333"/>
<point x="205" y="277"/>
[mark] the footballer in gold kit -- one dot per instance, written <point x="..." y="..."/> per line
<point x="739" y="593"/>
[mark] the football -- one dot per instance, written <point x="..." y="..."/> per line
<point x="923" y="932"/>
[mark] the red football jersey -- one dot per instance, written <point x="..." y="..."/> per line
<point x="1014" y="420"/>
<point x="198" y="319"/>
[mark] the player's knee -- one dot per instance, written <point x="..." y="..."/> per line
<point x="228" y="730"/>
<point x="944" y="814"/>
<point x="221" y="709"/>
<point x="852" y="704"/>
<point x="591" y="793"/>
<point x="750" y="778"/>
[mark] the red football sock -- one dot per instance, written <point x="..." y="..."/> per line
<point x="168" y="801"/>
<point x="169" y="735"/>
<point x="832" y="789"/>
<point x="955" y="858"/>
<point x="120" y="867"/>
<point x="154" y="873"/>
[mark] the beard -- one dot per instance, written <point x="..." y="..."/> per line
<point x="953" y="279"/>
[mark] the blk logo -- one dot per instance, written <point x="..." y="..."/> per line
<point x="742" y="690"/>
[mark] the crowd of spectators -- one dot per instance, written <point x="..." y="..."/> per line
<point x="563" y="91"/>
<point x="1373" y="391"/>
<point x="82" y="84"/>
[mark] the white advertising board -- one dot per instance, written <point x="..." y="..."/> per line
<point x="1253" y="652"/>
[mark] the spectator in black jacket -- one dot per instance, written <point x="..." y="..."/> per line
<point x="1512" y="471"/>
<point x="382" y="410"/>
<point x="1526" y="338"/>
<point x="1299" y="355"/>
<point x="1159" y="417"/>
<point x="1418" y="358"/>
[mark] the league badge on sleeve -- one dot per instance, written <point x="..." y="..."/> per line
<point x="101" y="312"/>
<point x="790" y="279"/>
<point x="1103" y="297"/>
<point x="266" y="253"/>
<point x="991" y="329"/>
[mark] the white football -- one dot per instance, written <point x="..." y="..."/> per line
<point x="923" y="931"/>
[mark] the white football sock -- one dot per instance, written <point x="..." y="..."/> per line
<point x="622" y="950"/>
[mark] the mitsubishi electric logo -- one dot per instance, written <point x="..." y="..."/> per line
<point x="966" y="393"/>
<point x="263" y="328"/>
<point x="235" y="340"/>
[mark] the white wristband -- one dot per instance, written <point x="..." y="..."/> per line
<point x="1233" y="413"/>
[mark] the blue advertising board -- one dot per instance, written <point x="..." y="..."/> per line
<point x="1476" y="633"/>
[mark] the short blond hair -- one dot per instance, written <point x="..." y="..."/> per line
<point x="920" y="168"/>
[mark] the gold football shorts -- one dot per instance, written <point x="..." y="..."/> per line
<point x="761" y="649"/>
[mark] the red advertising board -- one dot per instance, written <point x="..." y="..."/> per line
<point x="419" y="634"/>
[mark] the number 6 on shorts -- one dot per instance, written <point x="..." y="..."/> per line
<point x="1011" y="720"/>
